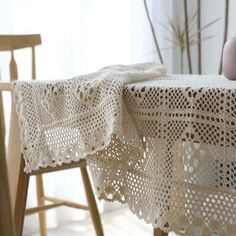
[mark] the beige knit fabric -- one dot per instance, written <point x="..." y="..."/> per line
<point x="165" y="146"/>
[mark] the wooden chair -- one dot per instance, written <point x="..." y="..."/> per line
<point x="19" y="180"/>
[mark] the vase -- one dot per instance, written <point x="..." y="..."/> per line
<point x="229" y="59"/>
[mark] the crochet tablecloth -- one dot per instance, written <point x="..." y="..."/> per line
<point x="165" y="147"/>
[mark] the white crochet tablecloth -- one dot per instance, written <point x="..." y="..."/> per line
<point x="165" y="146"/>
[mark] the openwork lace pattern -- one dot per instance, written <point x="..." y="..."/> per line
<point x="63" y="121"/>
<point x="185" y="180"/>
<point x="165" y="147"/>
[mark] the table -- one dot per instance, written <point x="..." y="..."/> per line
<point x="175" y="168"/>
<point x="185" y="181"/>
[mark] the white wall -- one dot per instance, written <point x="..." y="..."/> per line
<point x="211" y="49"/>
<point x="161" y="10"/>
<point x="142" y="44"/>
<point x="78" y="36"/>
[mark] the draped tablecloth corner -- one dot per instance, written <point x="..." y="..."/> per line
<point x="165" y="145"/>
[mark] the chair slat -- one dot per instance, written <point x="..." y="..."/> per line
<point x="33" y="64"/>
<point x="12" y="42"/>
<point x="5" y="86"/>
<point x="13" y="68"/>
<point x="14" y="145"/>
<point x="43" y="208"/>
<point x="65" y="166"/>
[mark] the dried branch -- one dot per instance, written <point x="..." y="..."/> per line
<point x="165" y="27"/>
<point x="153" y="31"/>
<point x="199" y="45"/>
<point x="187" y="36"/>
<point x="192" y="18"/>
<point x="204" y="27"/>
<point x="177" y="36"/>
<point x="225" y="32"/>
<point x="176" y="33"/>
<point x="195" y="41"/>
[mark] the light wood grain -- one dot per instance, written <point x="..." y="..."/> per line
<point x="22" y="189"/>
<point x="67" y="203"/>
<point x="33" y="64"/>
<point x="66" y="166"/>
<point x="56" y="202"/>
<point x="14" y="142"/>
<point x="13" y="67"/>
<point x="41" y="202"/>
<point x="2" y="118"/>
<point x="13" y="42"/>
<point x="6" y="223"/>
<point x="42" y="209"/>
<point x="13" y="153"/>
<point x="92" y="202"/>
<point x="158" y="232"/>
<point x="5" y="86"/>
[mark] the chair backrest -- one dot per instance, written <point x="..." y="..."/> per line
<point x="11" y="43"/>
<point x="14" y="42"/>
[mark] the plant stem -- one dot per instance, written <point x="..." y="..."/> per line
<point x="225" y="32"/>
<point x="199" y="46"/>
<point x="153" y="31"/>
<point x="187" y="36"/>
<point x="181" y="60"/>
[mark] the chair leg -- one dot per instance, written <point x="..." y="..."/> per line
<point x="91" y="202"/>
<point x="6" y="222"/>
<point x="158" y="232"/>
<point x="21" y="198"/>
<point x="41" y="202"/>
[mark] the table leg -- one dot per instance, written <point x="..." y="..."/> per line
<point x="158" y="232"/>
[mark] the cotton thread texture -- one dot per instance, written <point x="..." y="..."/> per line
<point x="166" y="148"/>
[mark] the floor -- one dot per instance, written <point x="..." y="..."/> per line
<point x="115" y="223"/>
